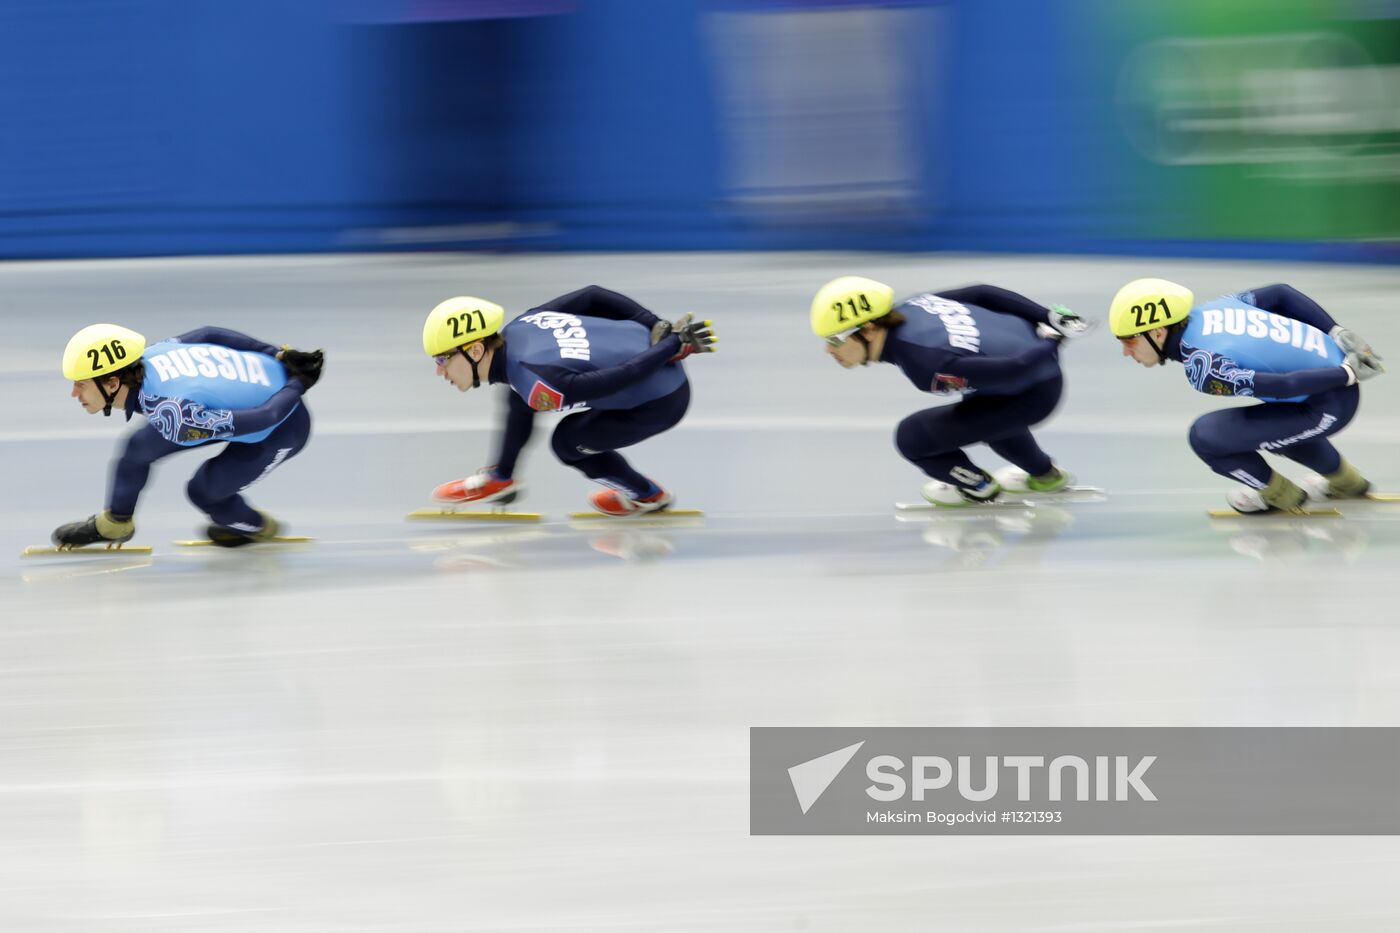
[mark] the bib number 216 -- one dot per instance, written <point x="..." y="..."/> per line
<point x="112" y="350"/>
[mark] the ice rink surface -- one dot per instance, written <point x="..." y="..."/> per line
<point x="412" y="728"/>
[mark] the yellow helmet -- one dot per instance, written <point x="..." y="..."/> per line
<point x="847" y="303"/>
<point x="460" y="321"/>
<point x="1146" y="304"/>
<point x="101" y="350"/>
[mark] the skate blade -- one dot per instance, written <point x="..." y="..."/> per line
<point x="465" y="515"/>
<point x="1255" y="516"/>
<point x="279" y="539"/>
<point x="972" y="508"/>
<point x="40" y="551"/>
<point x="1383" y="496"/>
<point x="657" y="514"/>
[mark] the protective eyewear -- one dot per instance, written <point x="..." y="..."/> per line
<point x="835" y="340"/>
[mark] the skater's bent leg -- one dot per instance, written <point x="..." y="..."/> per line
<point x="933" y="440"/>
<point x="215" y="486"/>
<point x="1229" y="440"/>
<point x="607" y="467"/>
<point x="1321" y="417"/>
<point x="1021" y="450"/>
<point x="1228" y="445"/>
<point x="589" y="441"/>
<point x="1318" y="455"/>
<point x="1010" y="419"/>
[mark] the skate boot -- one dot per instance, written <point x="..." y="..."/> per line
<point x="481" y="487"/>
<point x="618" y="504"/>
<point x="238" y="536"/>
<point x="98" y="529"/>
<point x="1281" y="495"/>
<point x="1015" y="479"/>
<point x="947" y="496"/>
<point x="1346" y="483"/>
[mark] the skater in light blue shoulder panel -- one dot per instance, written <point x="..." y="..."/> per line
<point x="1274" y="344"/>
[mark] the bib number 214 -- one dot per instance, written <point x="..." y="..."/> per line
<point x="848" y="310"/>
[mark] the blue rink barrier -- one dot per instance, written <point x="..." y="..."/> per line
<point x="140" y="127"/>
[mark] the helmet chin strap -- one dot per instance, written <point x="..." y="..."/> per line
<point x="108" y="397"/>
<point x="1159" y="350"/>
<point x="476" y="372"/>
<point x="865" y="342"/>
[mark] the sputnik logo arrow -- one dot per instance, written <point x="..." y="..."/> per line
<point x="811" y="778"/>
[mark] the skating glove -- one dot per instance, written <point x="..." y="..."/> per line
<point x="302" y="365"/>
<point x="1353" y="343"/>
<point x="98" y="529"/>
<point x="695" y="336"/>
<point x="1360" y="368"/>
<point x="1069" y="325"/>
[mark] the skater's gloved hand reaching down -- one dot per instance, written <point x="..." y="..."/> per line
<point x="98" y="529"/>
<point x="1361" y="360"/>
<point x="695" y="336"/>
<point x="302" y="365"/>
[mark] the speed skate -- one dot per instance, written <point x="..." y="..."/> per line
<point x="44" y="550"/>
<point x="639" y="516"/>
<point x="1275" y="513"/>
<point x="490" y="508"/>
<point x="276" y="539"/>
<point x="1018" y="500"/>
<point x="1324" y="512"/>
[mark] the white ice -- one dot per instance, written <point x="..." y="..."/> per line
<point x="417" y="729"/>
